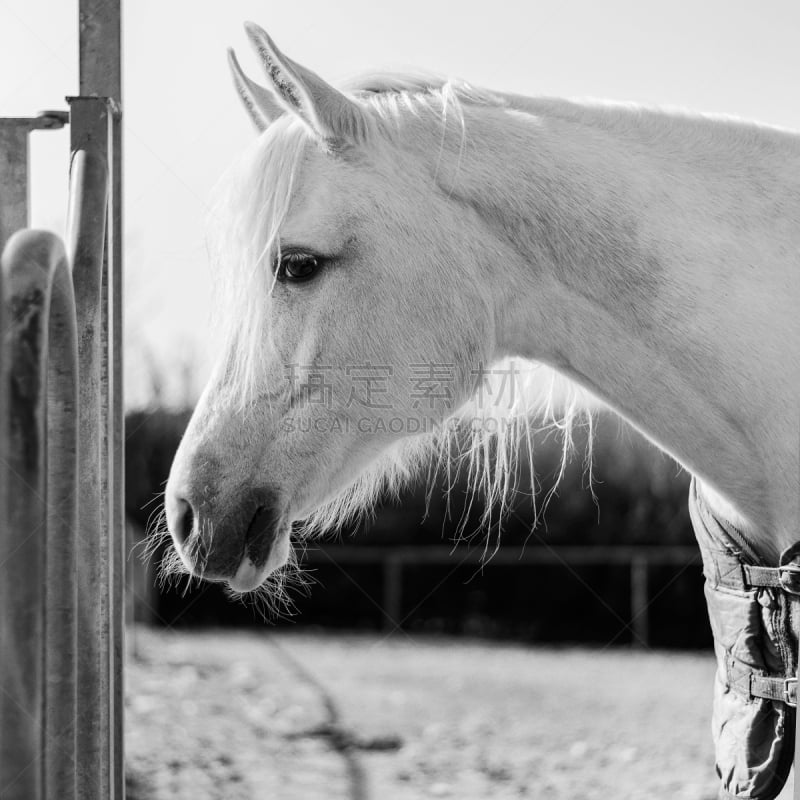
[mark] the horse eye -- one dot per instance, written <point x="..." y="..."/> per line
<point x="298" y="267"/>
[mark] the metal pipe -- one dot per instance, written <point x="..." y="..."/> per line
<point x="14" y="157"/>
<point x="81" y="708"/>
<point x="13" y="179"/>
<point x="38" y="641"/>
<point x="89" y="125"/>
<point x="100" y="68"/>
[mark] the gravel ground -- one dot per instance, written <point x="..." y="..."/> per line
<point x="284" y="716"/>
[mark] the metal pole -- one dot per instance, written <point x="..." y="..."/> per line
<point x="116" y="446"/>
<point x="86" y="246"/>
<point x="47" y="742"/>
<point x="37" y="628"/>
<point x="14" y="158"/>
<point x="22" y="568"/>
<point x="13" y="179"/>
<point x="61" y="593"/>
<point x="796" y="727"/>
<point x="640" y="594"/>
<point x="100" y="61"/>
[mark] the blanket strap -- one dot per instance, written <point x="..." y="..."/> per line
<point x="786" y="577"/>
<point x="740" y="676"/>
<point x="771" y="687"/>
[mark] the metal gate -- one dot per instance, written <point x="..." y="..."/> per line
<point x="61" y="459"/>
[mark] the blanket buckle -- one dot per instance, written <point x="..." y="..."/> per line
<point x="790" y="692"/>
<point x="790" y="578"/>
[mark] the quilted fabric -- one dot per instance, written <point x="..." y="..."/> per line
<point x="755" y="632"/>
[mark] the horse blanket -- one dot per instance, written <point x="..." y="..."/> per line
<point x="755" y="618"/>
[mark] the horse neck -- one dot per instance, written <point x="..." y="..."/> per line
<point x="650" y="258"/>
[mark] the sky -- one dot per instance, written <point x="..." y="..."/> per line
<point x="183" y="124"/>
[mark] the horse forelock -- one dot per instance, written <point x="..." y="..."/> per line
<point x="252" y="200"/>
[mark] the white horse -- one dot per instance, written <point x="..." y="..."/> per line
<point x="385" y="247"/>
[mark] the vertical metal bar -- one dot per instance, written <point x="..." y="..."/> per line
<point x="37" y="521"/>
<point x="22" y="522"/>
<point x="640" y="593"/>
<point x="796" y="789"/>
<point x="5" y="591"/>
<point x="89" y="123"/>
<point x="100" y="47"/>
<point x="116" y="443"/>
<point x="61" y="592"/>
<point x="100" y="61"/>
<point x="13" y="179"/>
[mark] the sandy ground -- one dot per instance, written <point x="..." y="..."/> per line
<point x="240" y="716"/>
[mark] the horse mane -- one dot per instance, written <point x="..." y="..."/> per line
<point x="484" y="448"/>
<point x="386" y="82"/>
<point x="383" y="85"/>
<point x="487" y="450"/>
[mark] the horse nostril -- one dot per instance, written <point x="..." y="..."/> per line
<point x="184" y="522"/>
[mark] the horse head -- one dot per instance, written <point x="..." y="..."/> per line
<point x="355" y="313"/>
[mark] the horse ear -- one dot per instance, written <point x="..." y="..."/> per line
<point x="330" y="115"/>
<point x="260" y="103"/>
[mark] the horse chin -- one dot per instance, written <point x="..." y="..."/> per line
<point x="250" y="576"/>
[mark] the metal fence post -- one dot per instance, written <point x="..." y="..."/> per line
<point x="13" y="178"/>
<point x="38" y="637"/>
<point x="14" y="158"/>
<point x="86" y="246"/>
<point x="640" y="596"/>
<point x="61" y="547"/>
<point x="100" y="68"/>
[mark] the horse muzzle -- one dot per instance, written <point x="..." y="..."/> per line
<point x="240" y="546"/>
